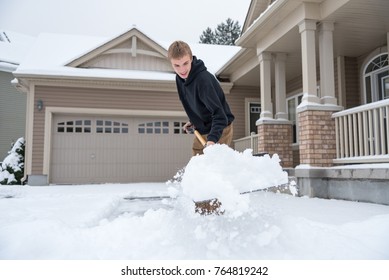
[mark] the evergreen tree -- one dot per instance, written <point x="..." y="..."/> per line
<point x="208" y="37"/>
<point x="226" y="33"/>
<point x="12" y="167"/>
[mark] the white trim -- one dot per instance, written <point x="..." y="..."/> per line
<point x="115" y="112"/>
<point x="247" y="102"/>
<point x="50" y="111"/>
<point x="295" y="96"/>
<point x="373" y="55"/>
<point x="29" y="129"/>
<point x="363" y="159"/>
<point x="362" y="108"/>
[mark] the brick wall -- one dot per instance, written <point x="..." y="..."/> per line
<point x="317" y="138"/>
<point x="276" y="139"/>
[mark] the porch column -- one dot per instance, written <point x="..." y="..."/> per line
<point x="317" y="141"/>
<point x="307" y="29"/>
<point x="280" y="82"/>
<point x="327" y="74"/>
<point x="274" y="136"/>
<point x="265" y="80"/>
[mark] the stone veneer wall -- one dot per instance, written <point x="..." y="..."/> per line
<point x="276" y="139"/>
<point x="317" y="138"/>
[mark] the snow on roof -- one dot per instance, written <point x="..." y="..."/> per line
<point x="13" y="48"/>
<point x="51" y="52"/>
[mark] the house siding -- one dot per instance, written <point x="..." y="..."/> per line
<point x="12" y="114"/>
<point x="353" y="96"/>
<point x="236" y="100"/>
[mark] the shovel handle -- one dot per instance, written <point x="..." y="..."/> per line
<point x="200" y="138"/>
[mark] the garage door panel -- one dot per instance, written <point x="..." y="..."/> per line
<point x="105" y="149"/>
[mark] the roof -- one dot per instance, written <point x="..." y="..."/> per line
<point x="51" y="54"/>
<point x="13" y="47"/>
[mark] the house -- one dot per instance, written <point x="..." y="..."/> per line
<point x="321" y="71"/>
<point x="308" y="80"/>
<point x="106" y="110"/>
<point x="13" y="47"/>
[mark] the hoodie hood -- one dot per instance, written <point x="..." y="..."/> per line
<point x="197" y="67"/>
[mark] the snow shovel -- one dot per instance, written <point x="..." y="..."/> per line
<point x="210" y="206"/>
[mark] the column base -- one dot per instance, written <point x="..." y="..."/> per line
<point x="275" y="137"/>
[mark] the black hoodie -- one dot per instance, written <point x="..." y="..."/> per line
<point x="204" y="101"/>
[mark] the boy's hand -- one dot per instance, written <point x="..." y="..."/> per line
<point x="188" y="128"/>
<point x="210" y="143"/>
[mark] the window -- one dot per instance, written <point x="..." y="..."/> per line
<point x="293" y="102"/>
<point x="376" y="79"/>
<point x="85" y="126"/>
<point x="385" y="86"/>
<point x="255" y="113"/>
<point x="78" y="126"/>
<point x="178" y="127"/>
<point x="157" y="127"/>
<point x="108" y="126"/>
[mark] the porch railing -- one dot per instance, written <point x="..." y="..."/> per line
<point x="362" y="134"/>
<point x="248" y="142"/>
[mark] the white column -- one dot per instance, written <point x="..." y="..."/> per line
<point x="265" y="69"/>
<point x="327" y="74"/>
<point x="280" y="83"/>
<point x="307" y="30"/>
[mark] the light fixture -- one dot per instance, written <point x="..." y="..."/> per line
<point x="39" y="104"/>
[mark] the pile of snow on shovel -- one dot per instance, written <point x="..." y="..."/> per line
<point x="228" y="175"/>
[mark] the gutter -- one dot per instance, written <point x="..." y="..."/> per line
<point x="8" y="67"/>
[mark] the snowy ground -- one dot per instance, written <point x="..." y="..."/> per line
<point x="110" y="221"/>
<point x="96" y="222"/>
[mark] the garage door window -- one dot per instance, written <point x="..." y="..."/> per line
<point x="158" y="127"/>
<point x="85" y="126"/>
<point x="178" y="128"/>
<point x="108" y="126"/>
<point x="78" y="126"/>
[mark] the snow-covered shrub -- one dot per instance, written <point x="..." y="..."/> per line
<point x="12" y="167"/>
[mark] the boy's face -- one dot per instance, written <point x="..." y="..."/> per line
<point x="182" y="66"/>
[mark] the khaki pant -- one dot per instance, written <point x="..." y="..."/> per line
<point x="226" y="138"/>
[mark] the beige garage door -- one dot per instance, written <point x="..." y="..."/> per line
<point x="107" y="149"/>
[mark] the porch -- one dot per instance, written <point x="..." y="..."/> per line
<point x="360" y="170"/>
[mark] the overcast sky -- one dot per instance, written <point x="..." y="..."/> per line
<point x="162" y="20"/>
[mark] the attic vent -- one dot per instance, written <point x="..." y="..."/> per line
<point x="4" y="37"/>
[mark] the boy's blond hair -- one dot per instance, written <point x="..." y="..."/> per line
<point x="179" y="49"/>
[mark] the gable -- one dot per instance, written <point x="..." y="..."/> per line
<point x="130" y="51"/>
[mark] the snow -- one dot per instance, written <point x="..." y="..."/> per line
<point x="112" y="221"/>
<point x="224" y="173"/>
<point x="51" y="52"/>
<point x="13" y="49"/>
<point x="12" y="161"/>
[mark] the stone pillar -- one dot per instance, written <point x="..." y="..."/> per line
<point x="326" y="53"/>
<point x="317" y="137"/>
<point x="275" y="137"/>
<point x="265" y="80"/>
<point x="280" y="83"/>
<point x="307" y="29"/>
